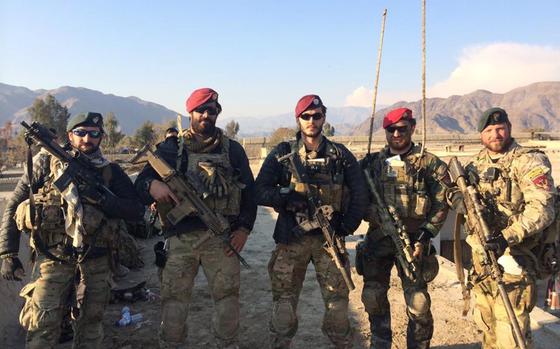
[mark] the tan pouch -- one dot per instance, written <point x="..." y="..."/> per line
<point x="26" y="314"/>
<point x="23" y="216"/>
<point x="422" y="205"/>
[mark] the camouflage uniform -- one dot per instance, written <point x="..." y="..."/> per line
<point x="416" y="187"/>
<point x="230" y="162"/>
<point x="52" y="283"/>
<point x="339" y="176"/>
<point x="518" y="188"/>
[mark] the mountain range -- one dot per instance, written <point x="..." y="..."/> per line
<point x="534" y="106"/>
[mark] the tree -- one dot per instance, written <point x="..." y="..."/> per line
<point x="113" y="134"/>
<point x="145" y="134"/>
<point x="281" y="134"/>
<point x="232" y="128"/>
<point x="50" y="113"/>
<point x="328" y="129"/>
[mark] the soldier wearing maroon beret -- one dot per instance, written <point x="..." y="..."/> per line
<point x="203" y="151"/>
<point x="334" y="174"/>
<point x="414" y="184"/>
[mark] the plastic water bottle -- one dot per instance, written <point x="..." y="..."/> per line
<point x="128" y="319"/>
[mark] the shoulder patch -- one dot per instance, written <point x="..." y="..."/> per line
<point x="539" y="177"/>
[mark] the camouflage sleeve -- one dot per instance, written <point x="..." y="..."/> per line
<point x="9" y="235"/>
<point x="437" y="183"/>
<point x="533" y="173"/>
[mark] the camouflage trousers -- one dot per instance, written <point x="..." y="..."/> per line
<point x="374" y="260"/>
<point x="177" y="281"/>
<point x="287" y="268"/>
<point x="47" y="296"/>
<point x="490" y="314"/>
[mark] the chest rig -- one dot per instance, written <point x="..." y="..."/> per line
<point x="498" y="185"/>
<point x="217" y="180"/>
<point x="402" y="183"/>
<point x="325" y="175"/>
<point x="51" y="211"/>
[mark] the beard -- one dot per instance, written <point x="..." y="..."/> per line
<point x="88" y="148"/>
<point x="497" y="145"/>
<point x="400" y="144"/>
<point x="204" y="127"/>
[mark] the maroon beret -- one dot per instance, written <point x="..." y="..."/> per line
<point x="199" y="97"/>
<point x="306" y="102"/>
<point x="397" y="115"/>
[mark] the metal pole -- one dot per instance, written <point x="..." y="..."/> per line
<point x="423" y="77"/>
<point x="376" y="80"/>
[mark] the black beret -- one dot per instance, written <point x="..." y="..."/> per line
<point x="492" y="116"/>
<point x="85" y="119"/>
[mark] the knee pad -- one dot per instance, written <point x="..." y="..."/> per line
<point x="375" y="300"/>
<point x="284" y="318"/>
<point x="418" y="302"/>
<point x="173" y="322"/>
<point x="336" y="318"/>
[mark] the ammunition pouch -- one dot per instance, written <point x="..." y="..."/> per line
<point x="361" y="249"/>
<point x="161" y="254"/>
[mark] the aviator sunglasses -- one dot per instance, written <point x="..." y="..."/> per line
<point x="82" y="133"/>
<point x="316" y="116"/>
<point x="209" y="110"/>
<point x="401" y="129"/>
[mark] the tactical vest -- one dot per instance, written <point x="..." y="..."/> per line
<point x="51" y="213"/>
<point x="208" y="168"/>
<point x="326" y="176"/>
<point x="402" y="184"/>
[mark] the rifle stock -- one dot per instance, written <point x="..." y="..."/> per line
<point x="479" y="227"/>
<point x="190" y="202"/>
<point x="392" y="226"/>
<point x="334" y="245"/>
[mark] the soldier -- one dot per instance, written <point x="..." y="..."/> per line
<point x="414" y="184"/>
<point x="59" y="257"/>
<point x="516" y="185"/>
<point x="334" y="174"/>
<point x="222" y="165"/>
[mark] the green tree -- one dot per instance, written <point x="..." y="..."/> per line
<point x="145" y="134"/>
<point x="113" y="134"/>
<point x="232" y="128"/>
<point x="328" y="129"/>
<point x="281" y="134"/>
<point x="50" y="113"/>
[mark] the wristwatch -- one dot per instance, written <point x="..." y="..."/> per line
<point x="147" y="184"/>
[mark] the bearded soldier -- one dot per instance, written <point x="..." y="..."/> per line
<point x="203" y="152"/>
<point x="516" y="186"/>
<point x="413" y="185"/>
<point x="75" y="231"/>
<point x="333" y="175"/>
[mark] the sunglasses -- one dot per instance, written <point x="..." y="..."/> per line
<point x="316" y="116"/>
<point x="401" y="129"/>
<point x="209" y="110"/>
<point x="83" y="133"/>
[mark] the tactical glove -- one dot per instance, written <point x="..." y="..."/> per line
<point x="90" y="194"/>
<point x="338" y="225"/>
<point x="455" y="200"/>
<point x="295" y="202"/>
<point x="497" y="244"/>
<point x="12" y="269"/>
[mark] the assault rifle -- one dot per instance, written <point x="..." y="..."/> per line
<point x="190" y="202"/>
<point x="334" y="245"/>
<point x="393" y="226"/>
<point x="78" y="169"/>
<point x="479" y="227"/>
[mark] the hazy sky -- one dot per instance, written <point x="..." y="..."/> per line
<point x="261" y="56"/>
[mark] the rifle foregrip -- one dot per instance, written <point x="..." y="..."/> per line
<point x="456" y="170"/>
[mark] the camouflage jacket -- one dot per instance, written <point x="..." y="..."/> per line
<point x="519" y="190"/>
<point x="415" y="185"/>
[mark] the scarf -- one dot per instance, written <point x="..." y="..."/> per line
<point x="197" y="144"/>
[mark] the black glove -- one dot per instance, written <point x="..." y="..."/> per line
<point x="338" y="225"/>
<point x="161" y="254"/>
<point x="295" y="202"/>
<point x="497" y="244"/>
<point x="12" y="269"/>
<point x="424" y="236"/>
<point x="91" y="194"/>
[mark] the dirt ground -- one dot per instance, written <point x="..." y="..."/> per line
<point x="451" y="330"/>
